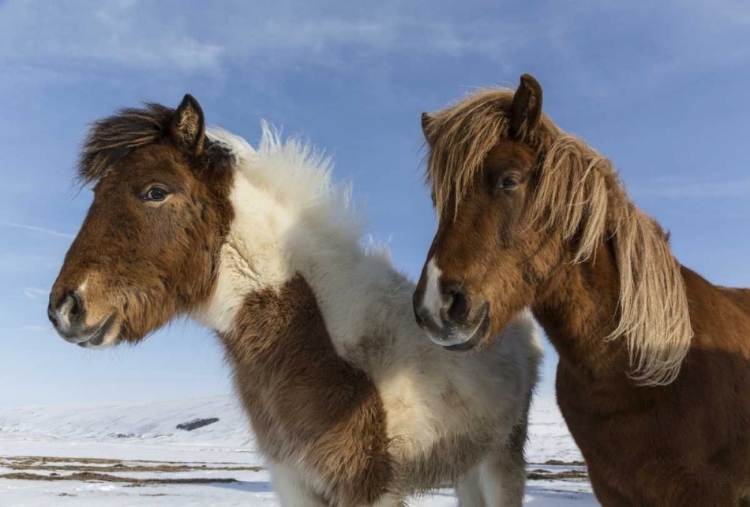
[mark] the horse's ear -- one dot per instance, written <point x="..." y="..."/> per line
<point x="427" y="120"/>
<point x="527" y="107"/>
<point x="188" y="126"/>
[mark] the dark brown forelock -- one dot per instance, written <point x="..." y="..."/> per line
<point x="461" y="135"/>
<point x="113" y="138"/>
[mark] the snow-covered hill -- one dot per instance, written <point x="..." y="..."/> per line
<point x="156" y="421"/>
<point x="55" y="449"/>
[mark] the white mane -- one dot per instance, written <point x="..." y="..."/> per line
<point x="299" y="178"/>
<point x="291" y="218"/>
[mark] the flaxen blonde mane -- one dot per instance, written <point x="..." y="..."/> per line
<point x="580" y="194"/>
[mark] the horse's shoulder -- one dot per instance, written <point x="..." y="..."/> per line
<point x="739" y="296"/>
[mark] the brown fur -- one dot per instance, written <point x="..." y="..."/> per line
<point x="740" y="297"/>
<point x="136" y="264"/>
<point x="283" y="361"/>
<point x="569" y="243"/>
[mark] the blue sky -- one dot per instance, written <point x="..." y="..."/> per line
<point x="659" y="87"/>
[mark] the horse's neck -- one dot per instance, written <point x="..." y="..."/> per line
<point x="346" y="284"/>
<point x="578" y="310"/>
<point x="276" y="327"/>
<point x="266" y="248"/>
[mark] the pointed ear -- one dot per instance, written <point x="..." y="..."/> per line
<point x="527" y="107"/>
<point x="427" y="119"/>
<point x="188" y="126"/>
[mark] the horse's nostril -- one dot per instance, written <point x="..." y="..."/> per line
<point x="76" y="307"/>
<point x="456" y="304"/>
<point x="69" y="312"/>
<point x="458" y="307"/>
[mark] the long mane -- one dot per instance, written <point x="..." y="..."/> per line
<point x="300" y="177"/>
<point x="580" y="194"/>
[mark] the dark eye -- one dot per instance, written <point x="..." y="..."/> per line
<point x="155" y="194"/>
<point x="507" y="183"/>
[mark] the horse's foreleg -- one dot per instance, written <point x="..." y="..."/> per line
<point x="469" y="490"/>
<point x="389" y="500"/>
<point x="503" y="473"/>
<point x="292" y="490"/>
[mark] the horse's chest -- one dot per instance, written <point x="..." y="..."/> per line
<point x="422" y="412"/>
<point x="641" y="445"/>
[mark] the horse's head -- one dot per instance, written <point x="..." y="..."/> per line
<point x="485" y="262"/>
<point x="149" y="246"/>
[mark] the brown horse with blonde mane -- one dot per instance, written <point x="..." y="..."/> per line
<point x="654" y="372"/>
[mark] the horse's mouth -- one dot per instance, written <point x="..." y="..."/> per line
<point x="479" y="331"/>
<point x="97" y="338"/>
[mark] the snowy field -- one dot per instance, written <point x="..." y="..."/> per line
<point x="133" y="454"/>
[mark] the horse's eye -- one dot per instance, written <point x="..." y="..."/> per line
<point x="155" y="194"/>
<point x="508" y="183"/>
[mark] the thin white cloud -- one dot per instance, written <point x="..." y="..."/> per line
<point x="35" y="329"/>
<point x="686" y="34"/>
<point x="658" y="40"/>
<point x="123" y="33"/>
<point x="198" y="37"/>
<point x="35" y="293"/>
<point x="34" y="228"/>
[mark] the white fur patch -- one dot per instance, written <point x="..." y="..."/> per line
<point x="291" y="488"/>
<point x="63" y="314"/>
<point x="288" y="219"/>
<point x="433" y="300"/>
<point x="253" y="257"/>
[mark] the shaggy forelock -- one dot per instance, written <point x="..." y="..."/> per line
<point x="299" y="176"/>
<point x="113" y="138"/>
<point x="460" y="137"/>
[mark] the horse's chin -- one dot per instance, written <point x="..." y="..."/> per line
<point x="106" y="343"/>
<point x="107" y="335"/>
<point x="473" y="338"/>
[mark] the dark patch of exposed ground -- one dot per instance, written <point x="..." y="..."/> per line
<point x="92" y="461"/>
<point x="540" y="474"/>
<point x="94" y="477"/>
<point x="546" y="475"/>
<point x="557" y="462"/>
<point x="122" y="467"/>
<point x="42" y="468"/>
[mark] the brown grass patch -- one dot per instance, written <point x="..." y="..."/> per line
<point x="546" y="475"/>
<point x="94" y="477"/>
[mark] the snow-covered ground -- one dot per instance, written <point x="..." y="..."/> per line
<point x="132" y="454"/>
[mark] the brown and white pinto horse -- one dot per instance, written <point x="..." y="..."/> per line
<point x="654" y="371"/>
<point x="349" y="405"/>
